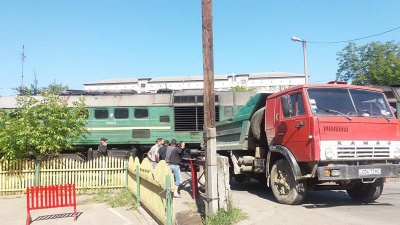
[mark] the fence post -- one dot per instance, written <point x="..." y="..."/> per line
<point x="126" y="174"/>
<point x="168" y="198"/>
<point x="138" y="185"/>
<point x="37" y="169"/>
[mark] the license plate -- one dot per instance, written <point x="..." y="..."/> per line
<point x="376" y="171"/>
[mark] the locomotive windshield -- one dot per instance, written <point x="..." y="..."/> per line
<point x="348" y="102"/>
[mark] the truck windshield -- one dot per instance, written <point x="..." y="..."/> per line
<point x="348" y="102"/>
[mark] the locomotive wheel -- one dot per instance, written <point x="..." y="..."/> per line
<point x="366" y="192"/>
<point x="256" y="123"/>
<point x="284" y="186"/>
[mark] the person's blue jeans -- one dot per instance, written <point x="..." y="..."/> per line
<point x="176" y="170"/>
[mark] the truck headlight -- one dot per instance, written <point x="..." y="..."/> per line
<point x="396" y="152"/>
<point x="329" y="153"/>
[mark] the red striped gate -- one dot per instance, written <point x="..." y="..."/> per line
<point x="45" y="197"/>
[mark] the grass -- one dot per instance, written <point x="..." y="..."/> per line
<point x="226" y="217"/>
<point x="114" y="198"/>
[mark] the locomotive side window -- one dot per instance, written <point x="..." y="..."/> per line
<point x="164" y="119"/>
<point x="141" y="133"/>
<point x="121" y="113"/>
<point x="141" y="113"/>
<point x="101" y="113"/>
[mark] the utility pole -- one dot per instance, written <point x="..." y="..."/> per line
<point x="22" y="60"/>
<point x="303" y="42"/>
<point x="209" y="110"/>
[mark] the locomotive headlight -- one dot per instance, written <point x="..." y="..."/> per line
<point x="329" y="153"/>
<point x="396" y="152"/>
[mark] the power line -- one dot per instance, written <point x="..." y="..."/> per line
<point x="356" y="39"/>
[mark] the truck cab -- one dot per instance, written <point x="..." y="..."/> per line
<point x="313" y="137"/>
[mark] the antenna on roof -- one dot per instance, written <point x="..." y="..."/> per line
<point x="22" y="60"/>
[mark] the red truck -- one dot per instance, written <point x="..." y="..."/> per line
<point x="314" y="137"/>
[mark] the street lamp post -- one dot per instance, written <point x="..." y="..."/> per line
<point x="303" y="41"/>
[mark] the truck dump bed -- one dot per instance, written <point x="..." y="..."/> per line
<point x="235" y="133"/>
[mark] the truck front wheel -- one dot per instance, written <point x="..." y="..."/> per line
<point x="366" y="192"/>
<point x="284" y="185"/>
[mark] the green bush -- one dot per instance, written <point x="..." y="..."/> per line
<point x="226" y="217"/>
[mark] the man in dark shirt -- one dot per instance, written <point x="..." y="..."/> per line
<point x="162" y="152"/>
<point x="174" y="160"/>
<point x="102" y="147"/>
<point x="102" y="150"/>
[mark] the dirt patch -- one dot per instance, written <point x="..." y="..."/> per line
<point x="189" y="217"/>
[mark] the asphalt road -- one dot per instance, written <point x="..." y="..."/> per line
<point x="319" y="207"/>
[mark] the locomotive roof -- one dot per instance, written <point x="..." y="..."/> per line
<point x="147" y="99"/>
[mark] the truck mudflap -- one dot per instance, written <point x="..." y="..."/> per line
<point x="348" y="172"/>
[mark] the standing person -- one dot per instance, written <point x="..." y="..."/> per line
<point x="153" y="153"/>
<point x="174" y="161"/>
<point x="102" y="149"/>
<point x="168" y="151"/>
<point x="162" y="152"/>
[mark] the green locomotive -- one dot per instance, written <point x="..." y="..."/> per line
<point x="130" y="120"/>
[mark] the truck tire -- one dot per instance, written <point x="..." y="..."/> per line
<point x="284" y="185"/>
<point x="256" y="123"/>
<point x="366" y="192"/>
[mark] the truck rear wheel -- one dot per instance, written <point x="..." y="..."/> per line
<point x="366" y="192"/>
<point x="284" y="185"/>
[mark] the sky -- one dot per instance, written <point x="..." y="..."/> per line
<point x="73" y="42"/>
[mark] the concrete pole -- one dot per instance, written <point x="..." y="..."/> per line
<point x="209" y="110"/>
<point x="305" y="61"/>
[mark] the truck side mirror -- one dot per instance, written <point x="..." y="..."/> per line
<point x="287" y="106"/>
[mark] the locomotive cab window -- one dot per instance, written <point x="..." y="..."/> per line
<point x="101" y="113"/>
<point x="121" y="113"/>
<point x="141" y="113"/>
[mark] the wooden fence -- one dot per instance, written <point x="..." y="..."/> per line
<point x="15" y="177"/>
<point x="103" y="172"/>
<point x="152" y="187"/>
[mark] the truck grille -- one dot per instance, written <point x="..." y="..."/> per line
<point x="363" y="152"/>
<point x="341" y="129"/>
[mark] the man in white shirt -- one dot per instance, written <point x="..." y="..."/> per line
<point x="153" y="153"/>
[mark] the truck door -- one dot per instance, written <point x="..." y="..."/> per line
<point x="293" y="129"/>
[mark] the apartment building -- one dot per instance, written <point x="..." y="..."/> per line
<point x="269" y="82"/>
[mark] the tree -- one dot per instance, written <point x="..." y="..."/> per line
<point x="35" y="90"/>
<point x="243" y="89"/>
<point x="371" y="64"/>
<point x="55" y="88"/>
<point x="41" y="126"/>
<point x="24" y="90"/>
